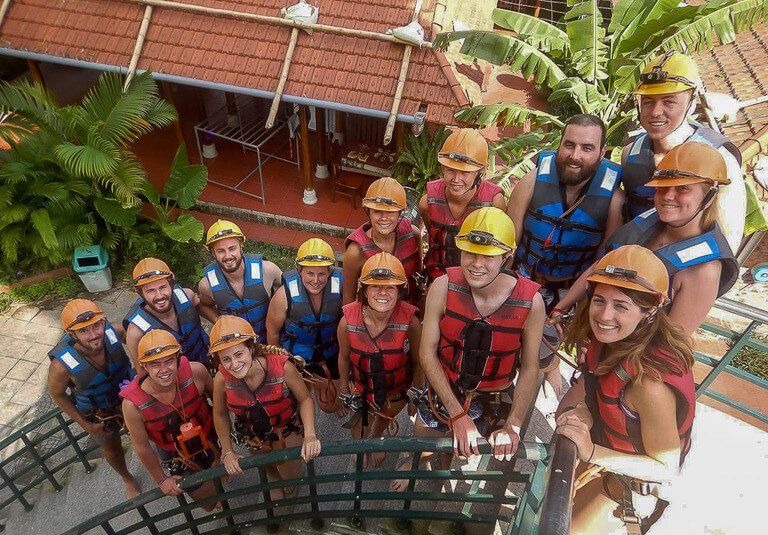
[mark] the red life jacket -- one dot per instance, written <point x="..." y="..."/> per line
<point x="616" y="425"/>
<point x="381" y="366"/>
<point x="443" y="227"/>
<point x="163" y="421"/>
<point x="406" y="249"/>
<point x="273" y="395"/>
<point x="482" y="353"/>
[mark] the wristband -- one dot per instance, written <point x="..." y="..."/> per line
<point x="224" y="455"/>
<point x="591" y="454"/>
<point x="557" y="311"/>
<point x="515" y="428"/>
<point x="456" y="418"/>
<point x="160" y="483"/>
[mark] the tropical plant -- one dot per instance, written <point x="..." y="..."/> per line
<point x="590" y="66"/>
<point x="417" y="162"/>
<point x="62" y="160"/>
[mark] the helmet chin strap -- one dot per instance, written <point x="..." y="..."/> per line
<point x="704" y="202"/>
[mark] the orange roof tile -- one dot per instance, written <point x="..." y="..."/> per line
<point x="247" y="54"/>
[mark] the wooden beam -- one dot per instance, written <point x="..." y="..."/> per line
<point x="306" y="164"/>
<point x="283" y="77"/>
<point x="4" y="10"/>
<point x="34" y="70"/>
<point x="168" y="94"/>
<point x="398" y="94"/>
<point x="138" y="46"/>
<point x="399" y="137"/>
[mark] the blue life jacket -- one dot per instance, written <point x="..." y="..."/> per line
<point x="711" y="245"/>
<point x="308" y="333"/>
<point x="562" y="247"/>
<point x="192" y="338"/>
<point x="91" y="388"/>
<point x="639" y="167"/>
<point x="255" y="301"/>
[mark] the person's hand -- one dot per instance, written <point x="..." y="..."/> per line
<point x="569" y="425"/>
<point x="555" y="381"/>
<point x="556" y="318"/>
<point x="582" y="413"/>
<point x="96" y="429"/>
<point x="170" y="486"/>
<point x="465" y="436"/>
<point x="310" y="448"/>
<point x="231" y="461"/>
<point x="411" y="409"/>
<point x="504" y="442"/>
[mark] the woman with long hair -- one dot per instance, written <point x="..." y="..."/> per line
<point x="682" y="231"/>
<point x="262" y="388"/>
<point x="631" y="410"/>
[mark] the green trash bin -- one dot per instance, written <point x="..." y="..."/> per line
<point x="91" y="265"/>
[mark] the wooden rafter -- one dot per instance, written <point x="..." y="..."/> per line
<point x="138" y="46"/>
<point x="398" y="94"/>
<point x="4" y="10"/>
<point x="283" y="77"/>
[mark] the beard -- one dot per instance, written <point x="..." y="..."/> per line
<point x="234" y="268"/>
<point x="92" y="349"/>
<point x="570" y="177"/>
<point x="158" y="310"/>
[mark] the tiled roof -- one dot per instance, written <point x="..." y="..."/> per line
<point x="325" y="66"/>
<point x="740" y="69"/>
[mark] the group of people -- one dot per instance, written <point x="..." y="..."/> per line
<point x="619" y="263"/>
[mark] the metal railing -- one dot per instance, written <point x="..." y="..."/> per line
<point x="43" y="448"/>
<point x="251" y="505"/>
<point x="739" y="340"/>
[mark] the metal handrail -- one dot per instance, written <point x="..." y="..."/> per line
<point x="741" y="309"/>
<point x="272" y="516"/>
<point x="558" y="502"/>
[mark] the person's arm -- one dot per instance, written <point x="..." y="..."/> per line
<point x="423" y="210"/>
<point x="732" y="202"/>
<point x="202" y="378"/>
<point x="343" y="360"/>
<point x="58" y="381"/>
<point x="417" y="236"/>
<point x="207" y="307"/>
<point x="229" y="457"/>
<point x="414" y="340"/>
<point x="140" y="440"/>
<point x="615" y="216"/>
<point x="656" y="406"/>
<point x="272" y="275"/>
<point x="192" y="296"/>
<point x="695" y="291"/>
<point x="576" y="292"/>
<point x="499" y="201"/>
<point x="574" y="401"/>
<point x="353" y="264"/>
<point x="310" y="447"/>
<point x="119" y="330"/>
<point x="132" y="336"/>
<point x="519" y="201"/>
<point x="278" y="308"/>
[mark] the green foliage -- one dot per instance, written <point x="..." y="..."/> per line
<point x="284" y="257"/>
<point x="69" y="177"/>
<point x="753" y="360"/>
<point x="593" y="66"/>
<point x="34" y="293"/>
<point x="417" y="163"/>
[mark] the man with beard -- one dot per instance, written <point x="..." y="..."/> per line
<point x="563" y="210"/>
<point x="236" y="284"/>
<point x="87" y="368"/>
<point x="163" y="304"/>
<point x="665" y="96"/>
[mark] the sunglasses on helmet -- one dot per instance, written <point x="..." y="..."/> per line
<point x="658" y="75"/>
<point x="157" y="350"/>
<point x="384" y="200"/>
<point x="150" y="274"/>
<point x="88" y="315"/>
<point x="315" y="258"/>
<point x="221" y="234"/>
<point x="458" y="157"/>
<point x="382" y="274"/>
<point x="677" y="173"/>
<point x="624" y="274"/>
<point x="480" y="237"/>
<point x="229" y="337"/>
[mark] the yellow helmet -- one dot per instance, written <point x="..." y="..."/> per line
<point x="229" y="331"/>
<point x="223" y="229"/>
<point x="385" y="194"/>
<point x="671" y="72"/>
<point x="157" y="344"/>
<point x="464" y="150"/>
<point x="487" y="231"/>
<point x="383" y="269"/>
<point x="79" y="313"/>
<point x="150" y="270"/>
<point x="690" y="163"/>
<point x="635" y="268"/>
<point x="315" y="252"/>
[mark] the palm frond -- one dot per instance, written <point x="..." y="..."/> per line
<point x="41" y="222"/>
<point x="505" y="114"/>
<point x="537" y="32"/>
<point x="628" y="15"/>
<point x="85" y="160"/>
<point x="575" y="92"/>
<point x="586" y="36"/>
<point x="10" y="239"/>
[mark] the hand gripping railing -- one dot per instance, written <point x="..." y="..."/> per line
<point x="251" y="505"/>
<point x="558" y="497"/>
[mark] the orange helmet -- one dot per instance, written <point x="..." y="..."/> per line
<point x="229" y="331"/>
<point x="464" y="150"/>
<point x="385" y="194"/>
<point x="157" y="344"/>
<point x="150" y="270"/>
<point x="383" y="269"/>
<point x="79" y="313"/>
<point x="691" y="162"/>
<point x="635" y="268"/>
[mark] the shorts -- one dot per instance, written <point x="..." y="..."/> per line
<point x="167" y="458"/>
<point x="316" y="369"/>
<point x="551" y="297"/>
<point x="488" y="411"/>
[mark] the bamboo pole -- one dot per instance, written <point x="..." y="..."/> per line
<point x="278" y="21"/>
<point x="138" y="46"/>
<point x="34" y="70"/>
<point x="4" y="10"/>
<point x="398" y="94"/>
<point x="283" y="77"/>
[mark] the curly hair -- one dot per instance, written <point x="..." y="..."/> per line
<point x="656" y="331"/>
